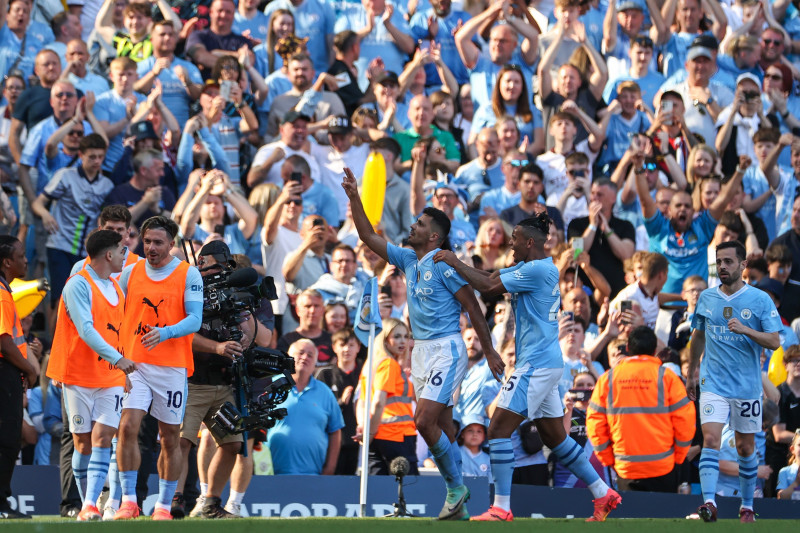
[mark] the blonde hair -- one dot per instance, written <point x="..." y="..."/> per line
<point x="482" y="240"/>
<point x="795" y="442"/>
<point x="691" y="177"/>
<point x="262" y="197"/>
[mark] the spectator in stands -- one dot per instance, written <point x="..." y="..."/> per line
<point x="249" y="22"/>
<point x="494" y="201"/>
<point x="205" y="46"/>
<point x="66" y="27"/>
<point x="624" y="120"/>
<point x="679" y="139"/>
<point x="347" y="48"/>
<point x="20" y="38"/>
<point x="680" y="329"/>
<point x="439" y="24"/>
<point x="205" y="217"/>
<point x="117" y="107"/>
<point x="34" y="102"/>
<point x="788" y="481"/>
<point x="485" y="171"/>
<point x="640" y="52"/>
<point x="531" y="188"/>
<point x="181" y="81"/>
<point x="134" y="40"/>
<point x="345" y="282"/>
<point x="342" y="379"/>
<point x="307" y="441"/>
<point x="643" y="449"/>
<point x="77" y="73"/>
<point x="608" y="239"/>
<point x="310" y="311"/>
<point x="688" y="15"/>
<point x="269" y="159"/>
<point x="646" y="290"/>
<point x="420" y="114"/>
<point x="313" y="20"/>
<point x="143" y="194"/>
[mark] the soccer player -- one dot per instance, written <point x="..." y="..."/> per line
<point x="115" y="218"/>
<point x="86" y="359"/>
<point x="531" y="392"/>
<point x="732" y="323"/>
<point x="436" y="295"/>
<point x="164" y="307"/>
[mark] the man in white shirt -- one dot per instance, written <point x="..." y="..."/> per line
<point x="270" y="157"/>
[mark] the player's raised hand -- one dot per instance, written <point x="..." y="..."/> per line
<point x="496" y="364"/>
<point x="446" y="256"/>
<point x="349" y="184"/>
<point x="126" y="365"/>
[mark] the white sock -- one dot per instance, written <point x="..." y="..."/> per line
<point x="160" y="505"/>
<point x="236" y="497"/>
<point x="503" y="502"/>
<point x="598" y="488"/>
<point x="129" y="498"/>
<point x="203" y="489"/>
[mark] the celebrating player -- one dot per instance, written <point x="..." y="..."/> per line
<point x="436" y="295"/>
<point x="532" y="390"/>
<point x="86" y="359"/>
<point x="164" y="307"/>
<point x="732" y="323"/>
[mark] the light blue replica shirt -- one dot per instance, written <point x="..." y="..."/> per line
<point x="319" y="200"/>
<point x="461" y="232"/>
<point x="729" y="485"/>
<point x="431" y="287"/>
<point x="111" y="107"/>
<point x="649" y="84"/>
<point x="485" y="118"/>
<point x="37" y="36"/>
<point x="479" y="465"/>
<point x="444" y="37"/>
<point x="91" y="82"/>
<point x="379" y="42"/>
<point x="536" y="299"/>
<point x="675" y="50"/>
<point x="687" y="253"/>
<point x="499" y="199"/>
<point x="477" y="179"/>
<point x="77" y="297"/>
<point x="731" y="365"/>
<point x="313" y="19"/>
<point x="472" y="400"/>
<point x="258" y="25"/>
<point x="786" y="477"/>
<point x="173" y="94"/>
<point x="299" y="442"/>
<point x="33" y="151"/>
<point x="482" y="78"/>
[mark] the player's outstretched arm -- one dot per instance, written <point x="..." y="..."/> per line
<point x="466" y="297"/>
<point x="487" y="283"/>
<point x="366" y="233"/>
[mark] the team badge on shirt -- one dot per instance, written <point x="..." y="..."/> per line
<point x="727" y="312"/>
<point x="78" y="420"/>
<point x="746" y="314"/>
<point x="427" y="276"/>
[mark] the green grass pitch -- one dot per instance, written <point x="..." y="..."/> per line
<point x="394" y="525"/>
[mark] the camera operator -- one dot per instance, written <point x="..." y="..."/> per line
<point x="209" y="388"/>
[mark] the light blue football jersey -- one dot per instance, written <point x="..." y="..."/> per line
<point x="731" y="365"/>
<point x="431" y="287"/>
<point x="536" y="299"/>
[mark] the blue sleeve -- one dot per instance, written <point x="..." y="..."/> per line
<point x="35" y="402"/>
<point x="34" y="147"/>
<point x="102" y="111"/>
<point x="215" y="150"/>
<point x="77" y="267"/>
<point x="705" y="225"/>
<point x="187" y="326"/>
<point x="78" y="302"/>
<point x="52" y="410"/>
<point x="450" y="278"/>
<point x="655" y="225"/>
<point x="185" y="162"/>
<point x="399" y="257"/>
<point x="785" y="478"/>
<point x="770" y="319"/>
<point x="341" y="24"/>
<point x="418" y="27"/>
<point x="521" y="278"/>
<point x="698" y="320"/>
<point x="194" y="73"/>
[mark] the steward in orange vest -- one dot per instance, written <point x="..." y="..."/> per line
<point x="640" y="420"/>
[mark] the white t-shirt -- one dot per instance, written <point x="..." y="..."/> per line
<point x="286" y="241"/>
<point x="274" y="174"/>
<point x="649" y="305"/>
<point x="331" y="164"/>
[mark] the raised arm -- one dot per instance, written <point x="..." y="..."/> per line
<point x="719" y="21"/>
<point x="546" y="63"/>
<point x="599" y="77"/>
<point x="610" y="25"/>
<point x="729" y="189"/>
<point x="642" y="189"/>
<point x="248" y="218"/>
<point x="291" y="189"/>
<point x="468" y="50"/>
<point x="417" y="197"/>
<point x="659" y="31"/>
<point x="403" y="41"/>
<point x="366" y="232"/>
<point x="530" y="34"/>
<point x="51" y="147"/>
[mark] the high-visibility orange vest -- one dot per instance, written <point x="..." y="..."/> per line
<point x="397" y="420"/>
<point x="640" y="420"/>
<point x="9" y="319"/>
<point x="152" y="304"/>
<point x="72" y="361"/>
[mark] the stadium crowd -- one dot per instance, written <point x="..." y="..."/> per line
<point x="649" y="132"/>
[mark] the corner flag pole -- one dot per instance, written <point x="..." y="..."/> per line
<point x="367" y="399"/>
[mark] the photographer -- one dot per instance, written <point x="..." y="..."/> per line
<point x="209" y="388"/>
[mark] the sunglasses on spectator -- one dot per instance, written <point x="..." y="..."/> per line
<point x="776" y="77"/>
<point x="66" y="95"/>
<point x="518" y="162"/>
<point x="776" y="42"/>
<point x="650" y="166"/>
<point x="77" y="133"/>
<point x="295" y="201"/>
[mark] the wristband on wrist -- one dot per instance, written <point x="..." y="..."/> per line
<point x="608" y="233"/>
<point x="592" y="227"/>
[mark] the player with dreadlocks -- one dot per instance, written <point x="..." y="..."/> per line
<point x="531" y="392"/>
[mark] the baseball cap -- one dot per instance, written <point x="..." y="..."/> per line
<point x="772" y="286"/>
<point x="629" y="4"/>
<point x="748" y="76"/>
<point x="705" y="40"/>
<point x="698" y="51"/>
<point x="293" y="115"/>
<point x="472" y="418"/>
<point x="143" y="130"/>
<point x="220" y="251"/>
<point x="339" y="124"/>
<point x="387" y="77"/>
